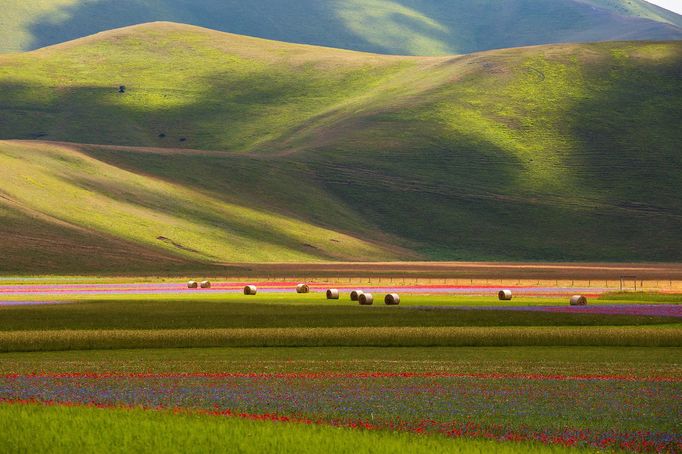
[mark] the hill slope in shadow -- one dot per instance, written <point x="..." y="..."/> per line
<point x="414" y="27"/>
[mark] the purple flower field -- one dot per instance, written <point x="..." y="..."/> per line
<point x="610" y="412"/>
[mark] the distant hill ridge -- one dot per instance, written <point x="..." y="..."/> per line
<point x="405" y="27"/>
<point x="225" y="148"/>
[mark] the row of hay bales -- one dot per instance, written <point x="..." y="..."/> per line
<point x="576" y="300"/>
<point x="365" y="299"/>
<point x="202" y="284"/>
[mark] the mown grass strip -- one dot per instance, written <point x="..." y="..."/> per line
<point x="338" y="337"/>
<point x="289" y="311"/>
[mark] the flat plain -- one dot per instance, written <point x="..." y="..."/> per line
<point x="444" y="372"/>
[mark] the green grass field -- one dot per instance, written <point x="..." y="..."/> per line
<point x="607" y="336"/>
<point x="418" y="27"/>
<point x="197" y="226"/>
<point x="300" y="311"/>
<point x="557" y="360"/>
<point x="488" y="143"/>
<point x="61" y="430"/>
<point x="309" y="320"/>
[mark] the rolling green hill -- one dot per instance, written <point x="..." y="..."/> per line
<point x="225" y="148"/>
<point x="414" y="27"/>
<point x="156" y="223"/>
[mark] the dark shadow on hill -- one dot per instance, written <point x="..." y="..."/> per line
<point x="35" y="245"/>
<point x="459" y="197"/>
<point x="466" y="26"/>
<point x="461" y="218"/>
<point x="304" y="22"/>
<point x="629" y="135"/>
<point x="87" y="18"/>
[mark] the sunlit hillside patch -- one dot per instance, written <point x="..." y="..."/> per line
<point x="72" y="187"/>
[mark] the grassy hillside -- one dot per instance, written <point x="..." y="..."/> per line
<point x="567" y="152"/>
<point x="415" y="27"/>
<point x="59" y="183"/>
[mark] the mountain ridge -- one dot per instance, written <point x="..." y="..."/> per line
<point x="414" y="27"/>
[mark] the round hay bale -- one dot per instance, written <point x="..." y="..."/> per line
<point x="205" y="284"/>
<point x="302" y="288"/>
<point x="578" y="300"/>
<point x="250" y="290"/>
<point x="355" y="295"/>
<point x="192" y="284"/>
<point x="392" y="299"/>
<point x="504" y="295"/>
<point x="366" y="299"/>
<point x="332" y="294"/>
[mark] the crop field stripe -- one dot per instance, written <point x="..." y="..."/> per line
<point x="641" y="362"/>
<point x="242" y="432"/>
<point x="662" y="336"/>
<point x="354" y="375"/>
<point x="454" y="429"/>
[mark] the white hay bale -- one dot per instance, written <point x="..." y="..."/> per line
<point x="392" y="299"/>
<point x="578" y="300"/>
<point x="505" y="295"/>
<point x="366" y="299"/>
<point x="250" y="290"/>
<point x="192" y="284"/>
<point x="355" y="295"/>
<point x="205" y="284"/>
<point x="332" y="294"/>
<point x="302" y="288"/>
